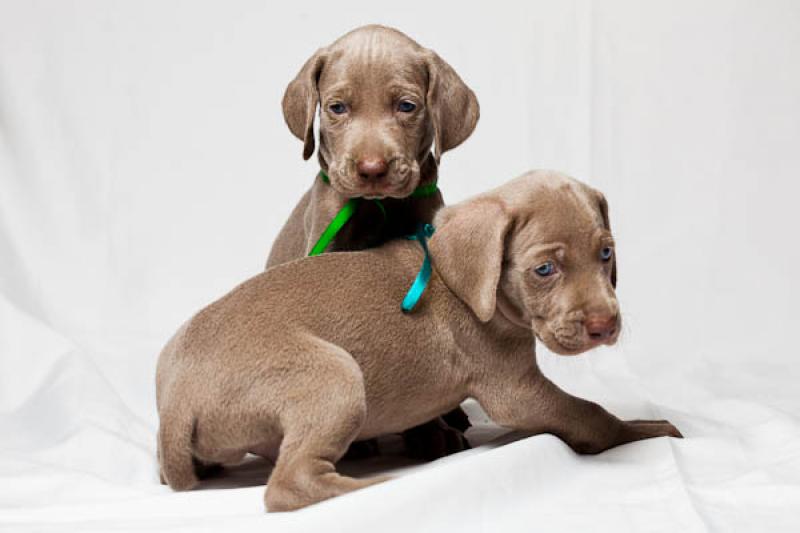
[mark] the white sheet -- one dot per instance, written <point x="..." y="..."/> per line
<point x="145" y="169"/>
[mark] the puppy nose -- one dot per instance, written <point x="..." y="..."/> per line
<point x="372" y="168"/>
<point x="601" y="327"/>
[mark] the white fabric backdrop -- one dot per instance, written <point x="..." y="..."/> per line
<point x="145" y="169"/>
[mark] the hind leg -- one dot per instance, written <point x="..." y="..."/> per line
<point x="318" y="428"/>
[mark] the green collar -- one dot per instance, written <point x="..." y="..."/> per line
<point x="346" y="212"/>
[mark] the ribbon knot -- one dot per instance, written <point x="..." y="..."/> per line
<point x="426" y="230"/>
<point x="346" y="213"/>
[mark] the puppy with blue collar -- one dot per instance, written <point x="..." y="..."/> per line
<point x="300" y="361"/>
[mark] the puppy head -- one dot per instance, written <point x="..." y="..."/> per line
<point x="539" y="251"/>
<point x="383" y="101"/>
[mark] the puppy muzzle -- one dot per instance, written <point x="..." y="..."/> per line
<point x="575" y="336"/>
<point x="399" y="181"/>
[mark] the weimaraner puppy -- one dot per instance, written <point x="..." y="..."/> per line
<point x="384" y="100"/>
<point x="296" y="371"/>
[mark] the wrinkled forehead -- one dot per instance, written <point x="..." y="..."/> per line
<point x="374" y="64"/>
<point x="564" y="213"/>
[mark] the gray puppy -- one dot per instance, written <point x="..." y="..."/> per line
<point x="384" y="101"/>
<point x="296" y="371"/>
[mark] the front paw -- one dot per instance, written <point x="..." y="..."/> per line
<point x="457" y="419"/>
<point x="362" y="449"/>
<point x="633" y="430"/>
<point x="622" y="432"/>
<point x="433" y="440"/>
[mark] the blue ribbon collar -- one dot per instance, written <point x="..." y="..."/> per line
<point x="417" y="288"/>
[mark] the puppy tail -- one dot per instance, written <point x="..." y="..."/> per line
<point x="175" y="435"/>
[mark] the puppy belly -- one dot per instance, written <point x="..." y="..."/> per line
<point x="267" y="450"/>
<point x="396" y="417"/>
<point x="227" y="457"/>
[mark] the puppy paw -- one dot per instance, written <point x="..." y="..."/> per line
<point x="457" y="419"/>
<point x="205" y="470"/>
<point x="290" y="494"/>
<point x="433" y="440"/>
<point x="633" y="430"/>
<point x="625" y="432"/>
<point x="362" y="449"/>
<point x="654" y="428"/>
<point x="455" y="440"/>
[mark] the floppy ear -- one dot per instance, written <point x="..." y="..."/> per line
<point x="467" y="252"/>
<point x="452" y="105"/>
<point x="300" y="102"/>
<point x="603" y="204"/>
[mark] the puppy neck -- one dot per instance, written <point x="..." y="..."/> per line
<point x="506" y="334"/>
<point x="509" y="312"/>
<point x="428" y="170"/>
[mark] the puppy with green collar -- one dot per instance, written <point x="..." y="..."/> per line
<point x="387" y="109"/>
<point x="300" y="361"/>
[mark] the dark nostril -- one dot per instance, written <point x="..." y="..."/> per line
<point x="371" y="168"/>
<point x="601" y="327"/>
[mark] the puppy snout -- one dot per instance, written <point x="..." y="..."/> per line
<point x="601" y="328"/>
<point x="372" y="168"/>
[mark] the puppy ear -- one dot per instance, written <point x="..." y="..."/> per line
<point x="453" y="107"/>
<point x="301" y="99"/>
<point x="603" y="204"/>
<point x="467" y="252"/>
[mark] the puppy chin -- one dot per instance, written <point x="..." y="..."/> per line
<point x="560" y="349"/>
<point x="404" y="188"/>
<point x="565" y="346"/>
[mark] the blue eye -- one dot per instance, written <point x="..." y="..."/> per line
<point x="547" y="269"/>
<point x="406" y="107"/>
<point x="337" y="108"/>
<point x="606" y="253"/>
